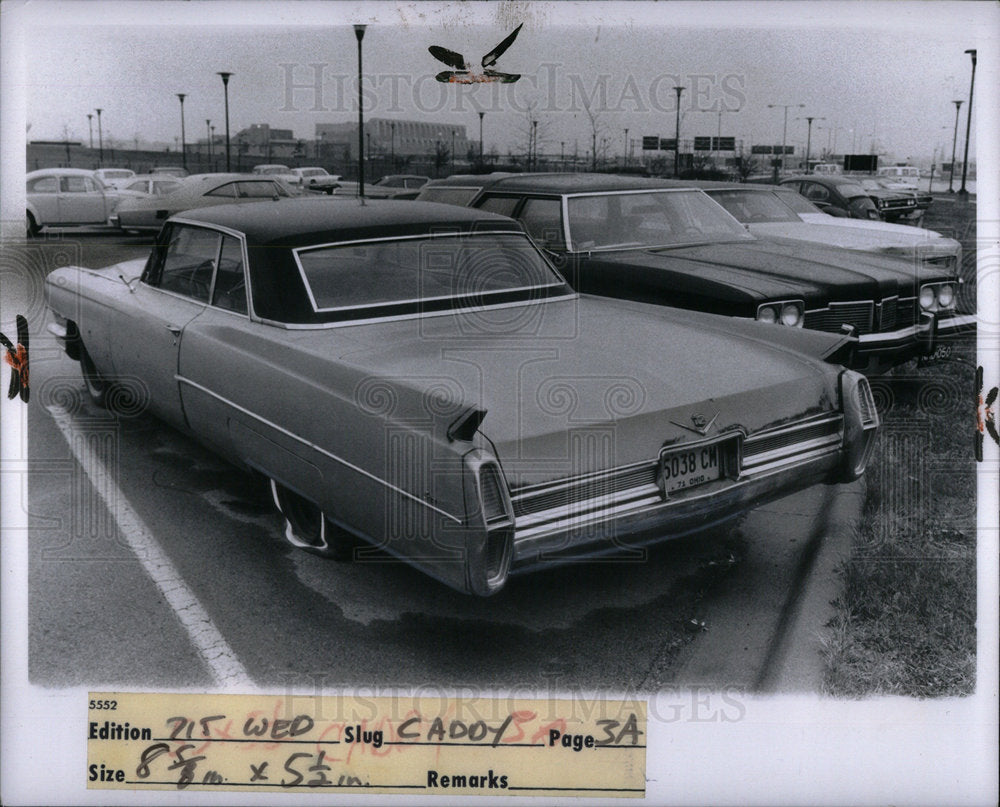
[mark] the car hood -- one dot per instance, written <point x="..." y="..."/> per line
<point x="890" y="242"/>
<point x="770" y="269"/>
<point x="583" y="384"/>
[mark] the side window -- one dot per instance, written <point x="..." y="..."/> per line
<point x="815" y="193"/>
<point x="542" y="218"/>
<point x="89" y="185"/>
<point x="227" y="191"/>
<point x="189" y="262"/>
<point x="73" y="185"/>
<point x="230" y="286"/>
<point x="257" y="190"/>
<point x="45" y="185"/>
<point x="504" y="205"/>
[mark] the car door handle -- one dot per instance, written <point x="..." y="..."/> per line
<point x="174" y="329"/>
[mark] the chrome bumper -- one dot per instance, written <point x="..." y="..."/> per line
<point x="651" y="519"/>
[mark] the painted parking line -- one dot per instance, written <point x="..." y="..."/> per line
<point x="206" y="638"/>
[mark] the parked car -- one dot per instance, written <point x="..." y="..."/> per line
<point x="835" y="194"/>
<point x="893" y="205"/>
<point x="282" y="172"/>
<point x="397" y="186"/>
<point x="420" y="378"/>
<point x="905" y="175"/>
<point x="666" y="242"/>
<point x="923" y="198"/>
<point x="198" y="190"/>
<point x="314" y="178"/>
<point x="115" y="177"/>
<point x="169" y="170"/>
<point x="779" y="212"/>
<point x="67" y="197"/>
<point x="151" y="185"/>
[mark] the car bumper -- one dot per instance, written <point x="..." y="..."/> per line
<point x="877" y="351"/>
<point x="623" y="528"/>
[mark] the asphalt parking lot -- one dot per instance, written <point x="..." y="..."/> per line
<point x="153" y="562"/>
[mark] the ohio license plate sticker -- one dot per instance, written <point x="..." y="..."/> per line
<point x="684" y="468"/>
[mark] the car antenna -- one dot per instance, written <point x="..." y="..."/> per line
<point x="128" y="283"/>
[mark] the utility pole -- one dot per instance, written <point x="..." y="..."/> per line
<point x="677" y="134"/>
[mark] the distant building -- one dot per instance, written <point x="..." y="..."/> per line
<point x="338" y="142"/>
<point x="260" y="140"/>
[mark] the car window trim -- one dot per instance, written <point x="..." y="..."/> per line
<point x="222" y="230"/>
<point x="312" y="300"/>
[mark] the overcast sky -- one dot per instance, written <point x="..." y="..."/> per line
<point x="885" y="75"/>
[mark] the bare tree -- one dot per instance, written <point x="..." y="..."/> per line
<point x="745" y="165"/>
<point x="598" y="129"/>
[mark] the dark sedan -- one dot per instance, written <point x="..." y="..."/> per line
<point x="835" y="194"/>
<point x="668" y="243"/>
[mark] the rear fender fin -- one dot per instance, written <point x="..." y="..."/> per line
<point x="465" y="425"/>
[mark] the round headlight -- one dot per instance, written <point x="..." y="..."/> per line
<point x="790" y="315"/>
<point x="946" y="296"/>
<point x="767" y="314"/>
<point x="926" y="297"/>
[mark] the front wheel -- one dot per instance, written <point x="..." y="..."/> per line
<point x="306" y="526"/>
<point x="32" y="226"/>
<point x="97" y="385"/>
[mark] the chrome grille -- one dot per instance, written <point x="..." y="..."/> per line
<point x="858" y="314"/>
<point x="906" y="312"/>
<point x="887" y="314"/>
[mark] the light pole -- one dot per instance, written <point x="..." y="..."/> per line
<point x="211" y="145"/>
<point x="184" y="158"/>
<point x="809" y="120"/>
<point x="225" y="90"/>
<point x="481" y="114"/>
<point x="208" y="134"/>
<point x="718" y="137"/>
<point x="677" y="134"/>
<point x="784" y="133"/>
<point x="392" y="144"/>
<point x="90" y="125"/>
<point x="534" y="145"/>
<point x="100" y="138"/>
<point x="359" y="33"/>
<point x="968" y="126"/>
<point x="625" y="158"/>
<point x="453" y="151"/>
<point x="954" y="142"/>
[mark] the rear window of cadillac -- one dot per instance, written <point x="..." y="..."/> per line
<point x="477" y="269"/>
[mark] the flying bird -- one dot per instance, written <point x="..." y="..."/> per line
<point x="17" y="358"/>
<point x="464" y="73"/>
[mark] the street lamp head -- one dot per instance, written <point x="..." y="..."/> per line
<point x="98" y="111"/>
<point x="972" y="53"/>
<point x="225" y="76"/>
<point x="958" y="103"/>
<point x="182" y="96"/>
<point x="359" y="32"/>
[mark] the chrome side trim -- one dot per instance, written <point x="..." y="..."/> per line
<point x="320" y="326"/>
<point x="182" y="380"/>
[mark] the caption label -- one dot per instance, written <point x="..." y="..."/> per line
<point x="366" y="745"/>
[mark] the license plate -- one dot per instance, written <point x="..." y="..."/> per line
<point x="684" y="468"/>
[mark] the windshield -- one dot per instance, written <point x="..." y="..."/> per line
<point x="452" y="271"/>
<point x="648" y="219"/>
<point x="270" y="169"/>
<point x="754" y="207"/>
<point x="110" y="174"/>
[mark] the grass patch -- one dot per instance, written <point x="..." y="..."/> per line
<point x="905" y="622"/>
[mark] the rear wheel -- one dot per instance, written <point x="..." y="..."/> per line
<point x="32" y="226"/>
<point x="306" y="526"/>
<point x="97" y="385"/>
